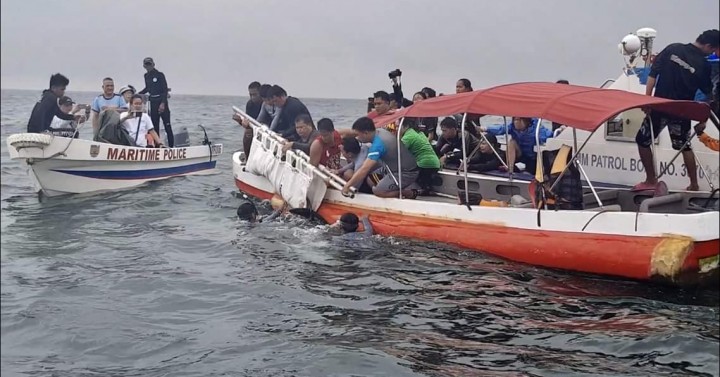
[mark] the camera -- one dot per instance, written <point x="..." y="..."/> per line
<point x="454" y="155"/>
<point x="394" y="74"/>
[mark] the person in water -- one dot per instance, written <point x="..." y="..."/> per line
<point x="247" y="211"/>
<point x="348" y="225"/>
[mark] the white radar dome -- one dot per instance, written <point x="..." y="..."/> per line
<point x="630" y="44"/>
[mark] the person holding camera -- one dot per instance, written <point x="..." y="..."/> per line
<point x="450" y="143"/>
<point x="397" y="95"/>
<point x="139" y="125"/>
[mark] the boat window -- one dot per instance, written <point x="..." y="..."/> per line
<point x="625" y="126"/>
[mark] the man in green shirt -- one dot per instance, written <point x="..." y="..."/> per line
<point x="427" y="160"/>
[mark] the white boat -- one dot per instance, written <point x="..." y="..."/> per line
<point x="63" y="165"/>
<point x="672" y="238"/>
<point x="611" y="156"/>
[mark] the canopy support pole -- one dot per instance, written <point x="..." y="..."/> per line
<point x="399" y="157"/>
<point x="652" y="145"/>
<point x="482" y="135"/>
<point x="464" y="153"/>
<point x="511" y="169"/>
<point x="572" y="160"/>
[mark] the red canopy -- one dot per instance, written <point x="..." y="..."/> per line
<point x="581" y="107"/>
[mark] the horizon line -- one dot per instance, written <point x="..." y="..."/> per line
<point x="188" y="94"/>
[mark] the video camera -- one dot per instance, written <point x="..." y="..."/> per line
<point x="396" y="73"/>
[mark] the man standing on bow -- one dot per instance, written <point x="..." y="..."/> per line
<point x="157" y="89"/>
<point x="678" y="72"/>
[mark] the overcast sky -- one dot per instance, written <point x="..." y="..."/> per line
<point x="331" y="48"/>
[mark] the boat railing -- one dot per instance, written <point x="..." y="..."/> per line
<point x="606" y="82"/>
<point x="298" y="159"/>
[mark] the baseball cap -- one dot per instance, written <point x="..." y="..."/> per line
<point x="148" y="60"/>
<point x="65" y="100"/>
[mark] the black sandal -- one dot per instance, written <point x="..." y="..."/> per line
<point x="413" y="196"/>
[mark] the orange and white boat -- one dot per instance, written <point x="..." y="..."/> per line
<point x="672" y="238"/>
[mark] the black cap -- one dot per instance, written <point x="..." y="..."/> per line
<point x="65" y="100"/>
<point x="148" y="60"/>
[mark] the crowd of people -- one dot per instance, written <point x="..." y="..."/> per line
<point x="371" y="150"/>
<point x="680" y="71"/>
<point x="58" y="114"/>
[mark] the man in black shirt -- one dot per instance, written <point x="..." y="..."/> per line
<point x="291" y="108"/>
<point x="252" y="108"/>
<point x="682" y="70"/>
<point x="47" y="108"/>
<point x="157" y="88"/>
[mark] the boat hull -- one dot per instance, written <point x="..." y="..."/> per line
<point x="673" y="258"/>
<point x="66" y="166"/>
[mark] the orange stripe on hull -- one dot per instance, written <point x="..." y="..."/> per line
<point x="614" y="255"/>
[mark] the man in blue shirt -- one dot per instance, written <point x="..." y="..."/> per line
<point x="108" y="100"/>
<point x="522" y="146"/>
<point x="384" y="151"/>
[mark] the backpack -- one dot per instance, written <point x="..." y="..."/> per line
<point x="111" y="130"/>
<point x="568" y="193"/>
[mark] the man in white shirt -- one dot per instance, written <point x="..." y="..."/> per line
<point x="139" y="125"/>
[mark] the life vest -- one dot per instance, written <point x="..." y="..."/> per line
<point x="567" y="194"/>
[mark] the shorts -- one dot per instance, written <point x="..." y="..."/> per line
<point x="409" y="178"/>
<point x="679" y="130"/>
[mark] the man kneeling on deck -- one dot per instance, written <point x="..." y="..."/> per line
<point x="383" y="151"/>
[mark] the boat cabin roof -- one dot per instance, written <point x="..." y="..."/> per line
<point x="581" y="107"/>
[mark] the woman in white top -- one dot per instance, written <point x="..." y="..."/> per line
<point x="138" y="124"/>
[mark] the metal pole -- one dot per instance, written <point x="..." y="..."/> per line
<point x="572" y="161"/>
<point x="464" y="153"/>
<point x="574" y="138"/>
<point x="677" y="154"/>
<point x="707" y="178"/>
<point x="511" y="169"/>
<point x="399" y="129"/>
<point x="492" y="148"/>
<point x="539" y="149"/>
<point x="652" y="146"/>
<point x="592" y="188"/>
<point x="714" y="119"/>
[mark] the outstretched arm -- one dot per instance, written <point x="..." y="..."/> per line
<point x="367" y="227"/>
